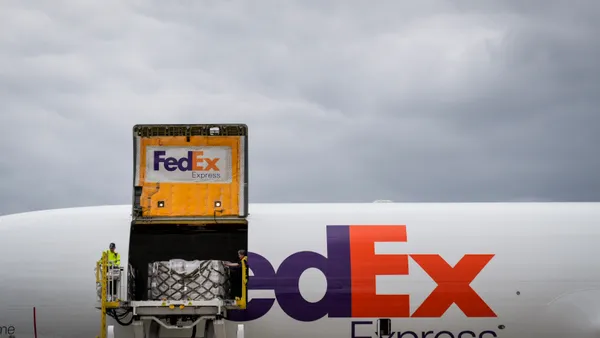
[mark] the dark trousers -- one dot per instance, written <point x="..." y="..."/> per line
<point x="235" y="282"/>
<point x="111" y="288"/>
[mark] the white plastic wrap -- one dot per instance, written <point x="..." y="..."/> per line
<point x="178" y="279"/>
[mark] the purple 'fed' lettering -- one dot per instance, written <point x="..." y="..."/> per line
<point x="284" y="282"/>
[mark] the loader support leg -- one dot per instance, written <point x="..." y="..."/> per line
<point x="209" y="329"/>
<point x="215" y="329"/>
<point x="153" y="329"/>
<point x="138" y="329"/>
<point x="219" y="327"/>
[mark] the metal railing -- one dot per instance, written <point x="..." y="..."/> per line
<point x="108" y="277"/>
<point x="112" y="275"/>
<point x="241" y="301"/>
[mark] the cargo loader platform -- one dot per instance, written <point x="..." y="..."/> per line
<point x="148" y="317"/>
<point x="215" y="307"/>
<point x="189" y="222"/>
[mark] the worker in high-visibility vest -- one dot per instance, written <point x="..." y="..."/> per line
<point x="242" y="258"/>
<point x="114" y="261"/>
<point x="114" y="258"/>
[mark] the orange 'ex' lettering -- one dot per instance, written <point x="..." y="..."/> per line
<point x="211" y="163"/>
<point x="453" y="286"/>
<point x="453" y="282"/>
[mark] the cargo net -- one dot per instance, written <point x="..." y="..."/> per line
<point x="197" y="280"/>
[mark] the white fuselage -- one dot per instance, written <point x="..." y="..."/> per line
<point x="527" y="270"/>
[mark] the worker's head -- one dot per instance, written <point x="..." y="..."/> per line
<point x="241" y="253"/>
<point x="112" y="247"/>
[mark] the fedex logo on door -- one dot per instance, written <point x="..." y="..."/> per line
<point x="351" y="267"/>
<point x="210" y="164"/>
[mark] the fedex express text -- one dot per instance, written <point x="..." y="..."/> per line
<point x="366" y="328"/>
<point x="350" y="268"/>
<point x="201" y="164"/>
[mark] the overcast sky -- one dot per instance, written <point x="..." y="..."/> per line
<point x="346" y="101"/>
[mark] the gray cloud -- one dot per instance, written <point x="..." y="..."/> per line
<point x="346" y="101"/>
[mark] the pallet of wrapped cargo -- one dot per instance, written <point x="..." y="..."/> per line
<point x="197" y="280"/>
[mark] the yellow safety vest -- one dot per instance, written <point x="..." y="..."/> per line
<point x="113" y="258"/>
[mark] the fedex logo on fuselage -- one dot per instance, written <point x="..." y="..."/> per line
<point x="351" y="267"/>
<point x="194" y="161"/>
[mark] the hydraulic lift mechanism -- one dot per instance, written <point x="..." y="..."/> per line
<point x="190" y="203"/>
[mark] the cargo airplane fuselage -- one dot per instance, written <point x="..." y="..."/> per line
<point x="447" y="270"/>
